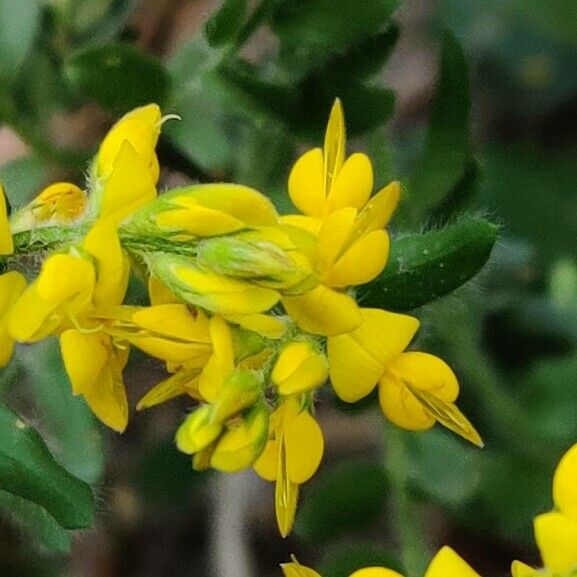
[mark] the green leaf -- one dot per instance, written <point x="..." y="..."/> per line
<point x="75" y="436"/>
<point x="224" y="25"/>
<point x="19" y="24"/>
<point x="447" y="148"/>
<point x="312" y="31"/>
<point x="425" y="267"/>
<point x="347" y="559"/>
<point x="27" y="469"/>
<point x="443" y="467"/>
<point x="203" y="100"/>
<point x="118" y="76"/>
<point x="348" y="496"/>
<point x="36" y="522"/>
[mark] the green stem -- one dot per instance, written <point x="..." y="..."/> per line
<point x="414" y="549"/>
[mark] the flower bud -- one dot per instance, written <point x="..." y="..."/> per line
<point x="242" y="442"/>
<point x="300" y="367"/>
<point x="198" y="431"/>
<point x="238" y="392"/>
<point x="59" y="203"/>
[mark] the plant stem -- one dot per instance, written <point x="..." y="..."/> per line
<point x="414" y="549"/>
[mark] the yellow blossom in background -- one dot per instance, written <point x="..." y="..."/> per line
<point x="415" y="389"/>
<point x="556" y="531"/>
<point x="291" y="457"/>
<point x="446" y="563"/>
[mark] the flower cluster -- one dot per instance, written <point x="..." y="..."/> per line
<point x="446" y="563"/>
<point x="555" y="534"/>
<point x="251" y="312"/>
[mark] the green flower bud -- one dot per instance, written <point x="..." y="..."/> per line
<point x="243" y="442"/>
<point x="198" y="431"/>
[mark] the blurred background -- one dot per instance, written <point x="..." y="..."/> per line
<point x="474" y="107"/>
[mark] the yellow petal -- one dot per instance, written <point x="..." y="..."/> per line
<point x="448" y="414"/>
<point x="266" y="466"/>
<point x="6" y="242"/>
<point x="353" y="184"/>
<point x="380" y="572"/>
<point x="30" y="318"/>
<point x="242" y="443"/>
<point x="240" y="202"/>
<point x="306" y="223"/>
<point x="400" y="406"/>
<point x="304" y="446"/>
<point x="446" y="563"/>
<point x="378" y="211"/>
<point x="140" y="128"/>
<point x="181" y="383"/>
<point x="565" y="484"/>
<point x="427" y="372"/>
<point x="63" y="277"/>
<point x="299" y="368"/>
<point x="266" y="325"/>
<point x="107" y="397"/>
<point x="129" y="186"/>
<point x="159" y="293"/>
<point x="221" y="363"/>
<point x="556" y="537"/>
<point x="286" y="498"/>
<point x="84" y="357"/>
<point x="306" y="183"/>
<point x="360" y="263"/>
<point x="334" y="146"/>
<point x="323" y="311"/>
<point x="334" y="236"/>
<point x="12" y="285"/>
<point x="174" y="320"/>
<point x="103" y="244"/>
<point x="199" y="221"/>
<point x="358" y="359"/>
<point x="519" y="569"/>
<point x="295" y="569"/>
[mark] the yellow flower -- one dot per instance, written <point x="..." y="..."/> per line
<point x="334" y="195"/>
<point x="299" y="368"/>
<point x="75" y="295"/>
<point x="446" y="563"/>
<point x="415" y="389"/>
<point x="291" y="457"/>
<point x="60" y="203"/>
<point x="12" y="285"/>
<point x="6" y="242"/>
<point x="556" y="531"/>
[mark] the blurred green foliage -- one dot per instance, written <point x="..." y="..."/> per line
<point x="510" y="333"/>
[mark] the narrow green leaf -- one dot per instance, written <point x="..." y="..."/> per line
<point x="35" y="520"/>
<point x="447" y="149"/>
<point x="223" y="26"/>
<point x="27" y="469"/>
<point x="348" y="496"/>
<point x="19" y="24"/>
<point x="118" y="76"/>
<point x="425" y="267"/>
